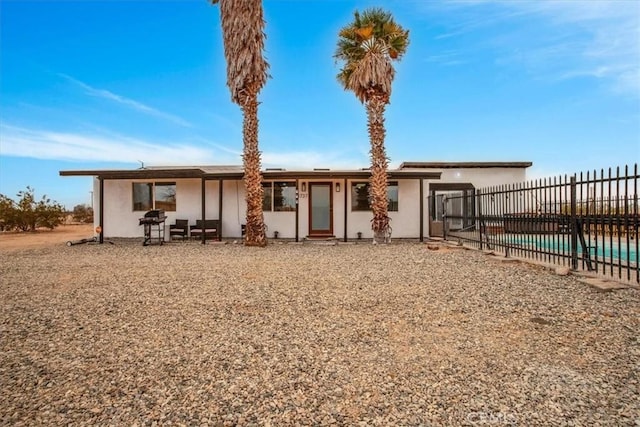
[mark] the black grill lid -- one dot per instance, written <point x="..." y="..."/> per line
<point x="155" y="213"/>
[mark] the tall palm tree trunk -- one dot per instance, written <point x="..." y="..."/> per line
<point x="243" y="37"/>
<point x="379" y="164"/>
<point x="255" y="231"/>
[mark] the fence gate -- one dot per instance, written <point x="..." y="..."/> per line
<point x="451" y="207"/>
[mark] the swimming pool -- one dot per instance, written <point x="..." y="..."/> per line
<point x="560" y="244"/>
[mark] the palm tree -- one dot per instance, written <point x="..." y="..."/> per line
<point x="367" y="46"/>
<point x="247" y="72"/>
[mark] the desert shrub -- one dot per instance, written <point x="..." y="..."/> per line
<point x="7" y="213"/>
<point x="83" y="213"/>
<point x="27" y="213"/>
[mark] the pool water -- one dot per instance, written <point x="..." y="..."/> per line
<point x="557" y="244"/>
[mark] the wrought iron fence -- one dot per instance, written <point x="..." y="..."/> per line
<point x="587" y="221"/>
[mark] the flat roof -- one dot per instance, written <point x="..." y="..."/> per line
<point x="463" y="165"/>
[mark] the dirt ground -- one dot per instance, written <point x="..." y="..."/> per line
<point x="58" y="236"/>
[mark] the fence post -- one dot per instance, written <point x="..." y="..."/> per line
<point x="574" y="225"/>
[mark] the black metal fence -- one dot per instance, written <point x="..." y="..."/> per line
<point x="585" y="221"/>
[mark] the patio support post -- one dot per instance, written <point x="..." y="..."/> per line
<point x="204" y="211"/>
<point x="574" y="225"/>
<point x="344" y="190"/>
<point x="297" y="206"/>
<point x="220" y="209"/>
<point x="444" y="216"/>
<point x="421" y="210"/>
<point x="101" y="211"/>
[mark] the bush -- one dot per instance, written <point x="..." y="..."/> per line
<point x="27" y="214"/>
<point x="83" y="213"/>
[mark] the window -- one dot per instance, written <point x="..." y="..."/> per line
<point x="284" y="196"/>
<point x="360" y="196"/>
<point x="159" y="195"/>
<point x="142" y="196"/>
<point x="166" y="196"/>
<point x="361" y="200"/>
<point x="279" y="196"/>
<point x="267" y="195"/>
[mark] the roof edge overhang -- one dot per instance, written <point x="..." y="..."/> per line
<point x="464" y="165"/>
<point x="138" y="173"/>
<point x="347" y="174"/>
<point x="269" y="174"/>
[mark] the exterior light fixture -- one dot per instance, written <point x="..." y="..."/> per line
<point x="337" y="187"/>
<point x="303" y="188"/>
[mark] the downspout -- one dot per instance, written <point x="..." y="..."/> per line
<point x="204" y="237"/>
<point x="344" y="189"/>
<point x="220" y="209"/>
<point x="101" y="211"/>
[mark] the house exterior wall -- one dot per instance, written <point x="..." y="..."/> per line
<point x="478" y="177"/>
<point x="483" y="177"/>
<point x="212" y="201"/>
<point x="189" y="201"/>
<point x="405" y="223"/>
<point x="234" y="208"/>
<point x="121" y="221"/>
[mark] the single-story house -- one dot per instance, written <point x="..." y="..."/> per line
<point x="298" y="204"/>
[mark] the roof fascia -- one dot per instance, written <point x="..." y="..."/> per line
<point x="198" y="173"/>
<point x="137" y="173"/>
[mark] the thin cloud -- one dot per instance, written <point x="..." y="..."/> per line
<point x="485" y="21"/>
<point x="447" y="58"/>
<point x="130" y="103"/>
<point x="301" y="160"/>
<point x="44" y="144"/>
<point x="96" y="148"/>
<point x="594" y="39"/>
<point x="555" y="40"/>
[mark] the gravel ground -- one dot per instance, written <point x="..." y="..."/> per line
<point x="190" y="334"/>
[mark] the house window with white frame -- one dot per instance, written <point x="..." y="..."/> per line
<point x="361" y="199"/>
<point x="154" y="195"/>
<point x="279" y="196"/>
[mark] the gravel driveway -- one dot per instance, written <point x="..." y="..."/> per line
<point x="190" y="334"/>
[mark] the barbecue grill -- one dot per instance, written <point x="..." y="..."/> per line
<point x="153" y="221"/>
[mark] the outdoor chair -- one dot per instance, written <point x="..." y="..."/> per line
<point x="180" y="228"/>
<point x="209" y="228"/>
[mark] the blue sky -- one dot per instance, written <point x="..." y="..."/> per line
<point x="106" y="84"/>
